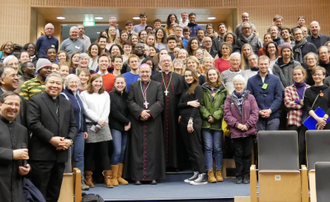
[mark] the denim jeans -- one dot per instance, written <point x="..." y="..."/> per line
<point x="119" y="145"/>
<point x="212" y="143"/>
<point x="78" y="152"/>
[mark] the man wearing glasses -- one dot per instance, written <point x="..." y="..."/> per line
<point x="302" y="46"/>
<point x="37" y="85"/>
<point x="249" y="37"/>
<point x="9" y="82"/>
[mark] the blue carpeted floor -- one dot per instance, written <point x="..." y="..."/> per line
<point x="172" y="190"/>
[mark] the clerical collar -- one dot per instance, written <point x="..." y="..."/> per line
<point x="167" y="72"/>
<point x="4" y="120"/>
<point x="145" y="82"/>
<point x="102" y="74"/>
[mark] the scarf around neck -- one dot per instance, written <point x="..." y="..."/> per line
<point x="297" y="51"/>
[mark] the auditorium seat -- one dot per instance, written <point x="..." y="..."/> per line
<point x="322" y="181"/>
<point x="279" y="176"/>
<point x="317" y="146"/>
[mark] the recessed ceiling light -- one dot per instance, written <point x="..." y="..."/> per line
<point x="60" y="18"/>
<point x="136" y="18"/>
<point x="99" y="18"/>
<point x="211" y="18"/>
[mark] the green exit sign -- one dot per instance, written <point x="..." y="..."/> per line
<point x="88" y="23"/>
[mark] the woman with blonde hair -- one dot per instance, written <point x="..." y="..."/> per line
<point x="212" y="105"/>
<point x="178" y="66"/>
<point x="207" y="63"/>
<point x="246" y="51"/>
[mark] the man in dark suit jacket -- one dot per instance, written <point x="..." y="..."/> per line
<point x="51" y="120"/>
<point x="316" y="38"/>
<point x="9" y="81"/>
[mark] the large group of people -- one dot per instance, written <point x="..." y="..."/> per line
<point x="147" y="99"/>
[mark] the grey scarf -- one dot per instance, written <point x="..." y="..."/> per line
<point x="297" y="51"/>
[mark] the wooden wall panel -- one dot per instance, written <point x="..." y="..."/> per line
<point x="15" y="15"/>
<point x="15" y="21"/>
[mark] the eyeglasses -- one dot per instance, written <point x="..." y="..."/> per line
<point x="139" y="47"/>
<point x="239" y="84"/>
<point x="246" y="27"/>
<point x="12" y="104"/>
<point x="317" y="75"/>
<point x="166" y="60"/>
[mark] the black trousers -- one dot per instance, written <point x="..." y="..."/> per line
<point x="193" y="142"/>
<point x="101" y="149"/>
<point x="242" y="156"/>
<point x="47" y="176"/>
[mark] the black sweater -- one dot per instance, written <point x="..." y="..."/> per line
<point x="119" y="114"/>
<point x="323" y="100"/>
<point x="188" y="111"/>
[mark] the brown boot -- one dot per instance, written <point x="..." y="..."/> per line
<point x="211" y="176"/>
<point x="89" y="178"/>
<point x="114" y="169"/>
<point x="218" y="176"/>
<point x="121" y="180"/>
<point x="107" y="178"/>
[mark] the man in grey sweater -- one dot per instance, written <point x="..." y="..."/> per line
<point x="73" y="44"/>
<point x="283" y="67"/>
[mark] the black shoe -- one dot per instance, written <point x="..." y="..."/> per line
<point x="137" y="182"/>
<point x="194" y="177"/>
<point x="239" y="180"/>
<point x="153" y="182"/>
<point x="202" y="179"/>
<point x="246" y="181"/>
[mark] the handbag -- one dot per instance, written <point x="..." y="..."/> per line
<point x="225" y="128"/>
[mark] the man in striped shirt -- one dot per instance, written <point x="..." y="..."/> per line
<point x="37" y="85"/>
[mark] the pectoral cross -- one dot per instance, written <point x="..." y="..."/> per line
<point x="166" y="92"/>
<point x="146" y="104"/>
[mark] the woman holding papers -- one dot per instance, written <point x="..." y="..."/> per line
<point x="317" y="96"/>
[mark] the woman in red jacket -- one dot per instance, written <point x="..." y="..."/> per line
<point x="241" y="114"/>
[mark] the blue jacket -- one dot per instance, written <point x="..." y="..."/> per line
<point x="194" y="27"/>
<point x="268" y="98"/>
<point x="78" y="109"/>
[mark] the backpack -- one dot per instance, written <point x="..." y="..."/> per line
<point x="91" y="198"/>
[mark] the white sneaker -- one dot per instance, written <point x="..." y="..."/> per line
<point x="202" y="179"/>
<point x="194" y="177"/>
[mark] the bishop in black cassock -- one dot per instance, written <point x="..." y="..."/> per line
<point x="145" y="159"/>
<point x="172" y="86"/>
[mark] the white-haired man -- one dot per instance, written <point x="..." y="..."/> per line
<point x="73" y="44"/>
<point x="172" y="87"/>
<point x="46" y="41"/>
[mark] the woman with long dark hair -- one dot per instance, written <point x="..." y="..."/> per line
<point x="190" y="125"/>
<point x="171" y="19"/>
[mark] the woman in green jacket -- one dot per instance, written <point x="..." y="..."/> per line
<point x="212" y="105"/>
